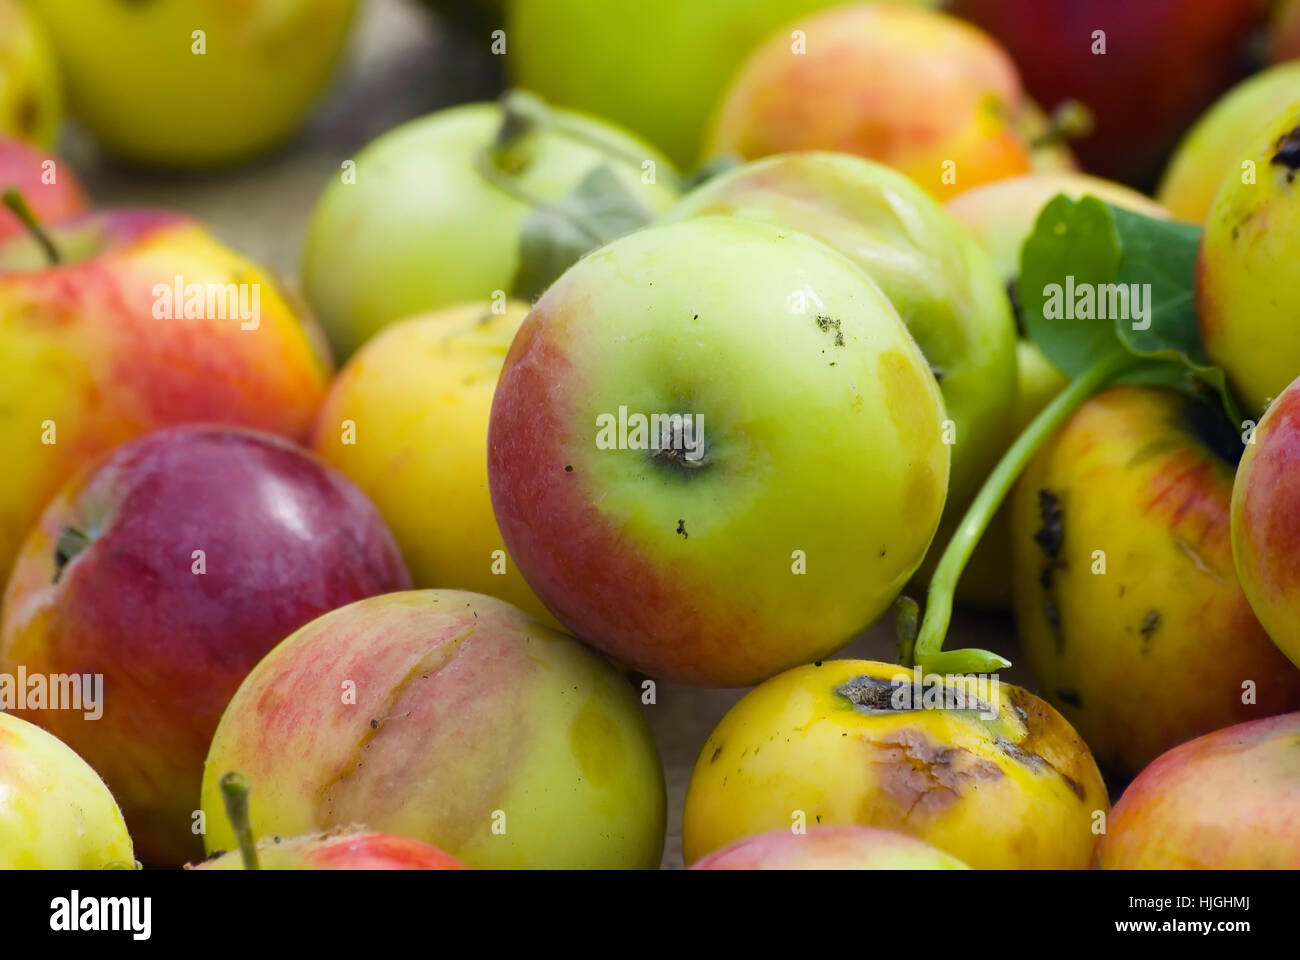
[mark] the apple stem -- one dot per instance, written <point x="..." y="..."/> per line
<point x="17" y="204"/>
<point x="234" y="791"/>
<point x="499" y="178"/>
<point x="928" y="650"/>
<point x="1071" y="120"/>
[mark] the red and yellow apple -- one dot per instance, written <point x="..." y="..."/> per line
<point x="987" y="773"/>
<point x="452" y="718"/>
<point x="337" y="850"/>
<point x="55" y="811"/>
<point x="169" y="570"/>
<point x="845" y="847"/>
<point x="47" y="185"/>
<point x="1128" y="607"/>
<point x="1229" y="800"/>
<point x="789" y="500"/>
<point x="98" y="349"/>
<point x="31" y="95"/>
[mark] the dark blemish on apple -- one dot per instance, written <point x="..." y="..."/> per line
<point x="1071" y="697"/>
<point x="716" y="753"/>
<point x="876" y="695"/>
<point x="681" y="528"/>
<point x="69" y="544"/>
<point x="1051" y="534"/>
<point x="1037" y="764"/>
<point x="1017" y="313"/>
<point x="1150" y="623"/>
<point x="1288" y="153"/>
<point x="937" y="373"/>
<point x="826" y="324"/>
<point x="374" y="725"/>
<point x="568" y="468"/>
<point x="819" y="818"/>
<point x="818" y="663"/>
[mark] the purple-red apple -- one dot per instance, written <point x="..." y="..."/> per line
<point x="170" y="569"/>
<point x="844" y="847"/>
<point x="47" y="184"/>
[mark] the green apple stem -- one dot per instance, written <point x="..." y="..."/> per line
<point x="1071" y="120"/>
<point x="928" y="650"/>
<point x="234" y="791"/>
<point x="17" y="204"/>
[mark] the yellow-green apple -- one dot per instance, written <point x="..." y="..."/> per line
<point x="1128" y="607"/>
<point x="31" y="96"/>
<point x="1246" y="303"/>
<point x="608" y="58"/>
<point x="1216" y="146"/>
<point x="1285" y="32"/>
<point x="407" y="419"/>
<point x="844" y="847"/>
<point x="46" y="184"/>
<point x="910" y="87"/>
<point x="1266" y="521"/>
<point x="982" y="770"/>
<point x="938" y="279"/>
<point x="1229" y="800"/>
<point x="452" y="718"/>
<point x="435" y="211"/>
<point x="1128" y="63"/>
<point x="715" y="451"/>
<point x="169" y="569"/>
<point x="1000" y="216"/>
<point x="146" y="321"/>
<point x="194" y="84"/>
<point x="55" y="812"/>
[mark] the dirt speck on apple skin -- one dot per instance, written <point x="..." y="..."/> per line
<point x="826" y="324"/>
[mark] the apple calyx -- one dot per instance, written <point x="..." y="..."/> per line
<point x="18" y="206"/>
<point x="234" y="792"/>
<point x="69" y="545"/>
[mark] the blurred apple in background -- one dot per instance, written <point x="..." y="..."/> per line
<point x="1164" y="61"/>
<point x="915" y="89"/>
<point x="98" y="349"/>
<point x="1221" y="139"/>
<point x="437" y="212"/>
<point x="171" y="568"/>
<point x="469" y="726"/>
<point x="194" y="83"/>
<point x="31" y="97"/>
<point x="407" y="421"/>
<point x="1285" y="30"/>
<point x="845" y="847"/>
<point x="47" y="184"/>
<point x="55" y="812"/>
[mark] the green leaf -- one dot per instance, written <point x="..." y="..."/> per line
<point x="555" y="236"/>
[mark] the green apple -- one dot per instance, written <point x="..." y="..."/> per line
<point x="55" y="812"/>
<point x="715" y="451"/>
<point x="194" y="83"/>
<point x="31" y="96"/>
<point x="437" y="209"/>
<point x="1217" y="145"/>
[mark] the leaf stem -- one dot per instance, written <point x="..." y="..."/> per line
<point x="928" y="650"/>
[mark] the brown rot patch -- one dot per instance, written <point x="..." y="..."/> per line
<point x="876" y="695"/>
<point x="1288" y="153"/>
<point x="828" y="325"/>
<point x="1050" y="538"/>
<point x="1049" y="744"/>
<point x="922" y="777"/>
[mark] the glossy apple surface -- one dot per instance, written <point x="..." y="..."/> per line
<point x="341" y="850"/>
<point x="452" y="718"/>
<point x="818" y="471"/>
<point x="109" y="583"/>
<point x="48" y="185"/>
<point x="845" y="847"/>
<point x="31" y="95"/>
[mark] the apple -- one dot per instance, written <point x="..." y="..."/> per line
<point x="170" y="569"/>
<point x="99" y="348"/>
<point x="1246" y="302"/>
<point x="1229" y="800"/>
<point x="436" y="214"/>
<point x="47" y="185"/>
<point x="1266" y="521"/>
<point x="1285" y="32"/>
<point x="194" y="85"/>
<point x="1128" y="63"/>
<point x="1215" y="147"/>
<point x="982" y="770"/>
<point x="55" y="812"/>
<point x="452" y="718"/>
<point x="845" y="847"/>
<point x="937" y="278"/>
<point x="1127" y="605"/>
<point x="787" y="504"/>
<point x="407" y="420"/>
<point x="31" y="95"/>
<point x="909" y="87"/>
<point x="608" y="58"/>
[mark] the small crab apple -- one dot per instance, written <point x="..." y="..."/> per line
<point x="982" y="770"/>
<point x="913" y="88"/>
<point x="1229" y="800"/>
<point x="168" y="570"/>
<point x="1216" y="146"/>
<point x="1128" y="607"/>
<point x="1245" y="301"/>
<point x="55" y="811"/>
<point x="436" y="211"/>
<point x="452" y="718"/>
<point x="1266" y="521"/>
<point x="798" y="490"/>
<point x="31" y="95"/>
<point x="844" y="847"/>
<point x="46" y="185"/>
<point x="426" y="469"/>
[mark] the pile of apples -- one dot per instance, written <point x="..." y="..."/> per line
<point x="384" y="575"/>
